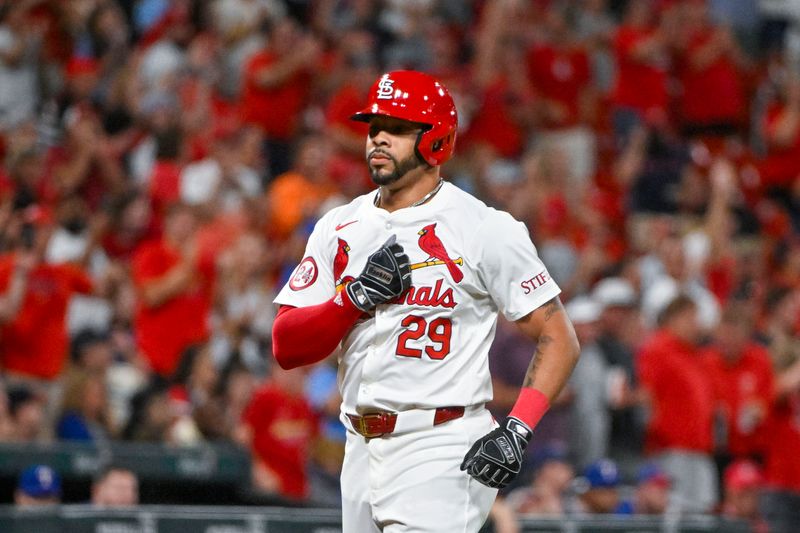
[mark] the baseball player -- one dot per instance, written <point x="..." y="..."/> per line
<point x="405" y="283"/>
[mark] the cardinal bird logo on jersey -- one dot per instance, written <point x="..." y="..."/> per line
<point x="340" y="263"/>
<point x="437" y="254"/>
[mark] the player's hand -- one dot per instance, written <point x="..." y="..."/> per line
<point x="496" y="458"/>
<point x="386" y="276"/>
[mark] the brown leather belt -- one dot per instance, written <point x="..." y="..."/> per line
<point x="373" y="425"/>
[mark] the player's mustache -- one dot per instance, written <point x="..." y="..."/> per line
<point x="380" y="151"/>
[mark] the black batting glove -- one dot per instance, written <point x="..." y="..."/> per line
<point x="386" y="276"/>
<point x="496" y="458"/>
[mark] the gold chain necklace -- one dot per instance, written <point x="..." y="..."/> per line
<point x="418" y="202"/>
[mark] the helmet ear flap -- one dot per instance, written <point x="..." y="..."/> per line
<point x="435" y="146"/>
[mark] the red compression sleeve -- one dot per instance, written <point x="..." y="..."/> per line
<point x="530" y="407"/>
<point x="306" y="335"/>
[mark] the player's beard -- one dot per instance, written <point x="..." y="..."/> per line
<point x="401" y="168"/>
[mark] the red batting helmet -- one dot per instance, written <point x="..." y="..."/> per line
<point x="416" y="97"/>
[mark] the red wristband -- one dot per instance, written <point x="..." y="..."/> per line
<point x="530" y="407"/>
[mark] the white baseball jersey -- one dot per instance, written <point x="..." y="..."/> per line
<point x="430" y="347"/>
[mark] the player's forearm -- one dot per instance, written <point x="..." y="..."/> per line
<point x="557" y="352"/>
<point x="552" y="364"/>
<point x="306" y="335"/>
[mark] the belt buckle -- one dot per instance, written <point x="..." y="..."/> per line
<point x="364" y="426"/>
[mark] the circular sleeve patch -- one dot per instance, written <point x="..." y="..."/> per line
<point x="304" y="275"/>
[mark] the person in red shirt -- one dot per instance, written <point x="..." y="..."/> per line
<point x="279" y="426"/>
<point x="33" y="337"/>
<point x="709" y="62"/>
<point x="174" y="286"/>
<point x="742" y="371"/>
<point x="680" y="396"/>
<point x="781" y="498"/>
<point x="641" y="51"/>
<point x="504" y="98"/>
<point x="743" y="481"/>
<point x="85" y="163"/>
<point x="360" y="71"/>
<point x="560" y="75"/>
<point x="780" y="167"/>
<point x="277" y="82"/>
<point x="34" y="343"/>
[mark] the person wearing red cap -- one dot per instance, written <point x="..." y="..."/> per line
<point x="743" y="481"/>
<point x="652" y="490"/>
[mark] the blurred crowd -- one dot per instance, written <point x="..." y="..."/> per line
<point x="163" y="162"/>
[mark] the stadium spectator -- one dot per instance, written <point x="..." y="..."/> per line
<point x="598" y="489"/>
<point x="220" y="183"/>
<point x="560" y="74"/>
<point x="27" y="414"/>
<point x="681" y="402"/>
<point x="781" y="130"/>
<point x="294" y="197"/>
<point x="116" y="487"/>
<point x="174" y="283"/>
<point x="327" y="454"/>
<point x="34" y="344"/>
<point x="92" y="351"/>
<point x="86" y="163"/>
<point x="193" y="390"/>
<point x="781" y="499"/>
<point x="244" y="312"/>
<point x="277" y="85"/>
<point x="641" y="49"/>
<point x="20" y="42"/>
<point x="278" y="427"/>
<point x="236" y="388"/>
<point x="38" y="485"/>
<point x="359" y="70"/>
<point x="84" y="412"/>
<point x="150" y="415"/>
<point x="620" y="337"/>
<point x="743" y="481"/>
<point x="651" y="496"/>
<point x="742" y="371"/>
<point x="589" y="385"/>
<point x="502" y="115"/>
<point x="667" y="274"/>
<point x="547" y="492"/>
<point x="709" y="62"/>
<point x="7" y="429"/>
